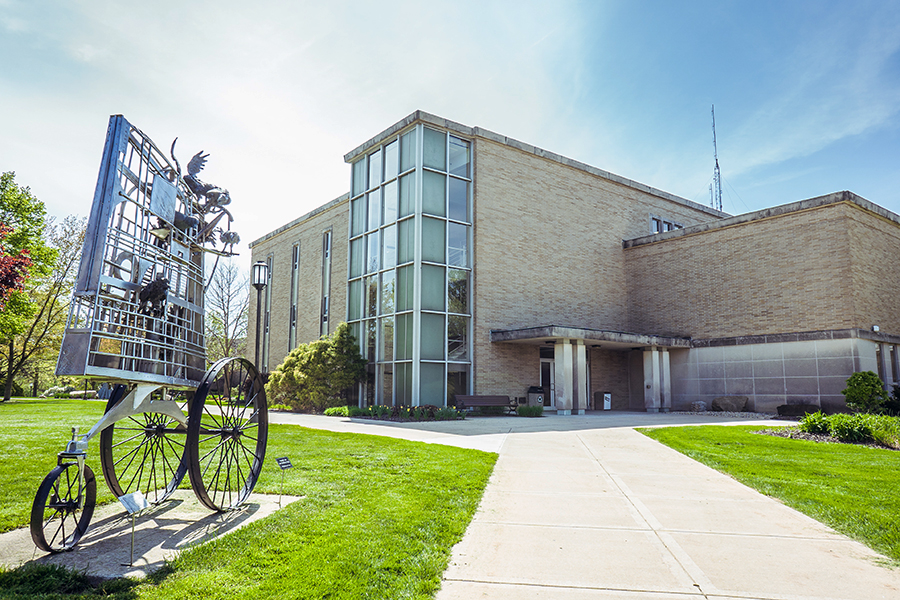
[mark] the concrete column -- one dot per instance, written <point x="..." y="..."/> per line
<point x="564" y="366"/>
<point x="886" y="366"/>
<point x="895" y="362"/>
<point x="651" y="380"/>
<point x="666" y="391"/>
<point x="581" y="377"/>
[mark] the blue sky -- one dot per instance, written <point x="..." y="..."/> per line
<point x="807" y="94"/>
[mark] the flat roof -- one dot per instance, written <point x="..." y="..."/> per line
<point x="612" y="340"/>
<point x="844" y="197"/>
<point x="424" y="117"/>
<point x="298" y="220"/>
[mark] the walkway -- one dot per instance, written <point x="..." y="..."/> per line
<point x="587" y="508"/>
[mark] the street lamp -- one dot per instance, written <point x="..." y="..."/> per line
<point x="260" y="279"/>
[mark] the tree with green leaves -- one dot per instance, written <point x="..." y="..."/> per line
<point x="33" y="347"/>
<point x="318" y="375"/>
<point x="865" y="392"/>
<point x="22" y="222"/>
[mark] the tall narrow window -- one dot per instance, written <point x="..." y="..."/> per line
<point x="295" y="292"/>
<point x="326" y="281"/>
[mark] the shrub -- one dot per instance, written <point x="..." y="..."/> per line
<point x="314" y="376"/>
<point x="337" y="411"/>
<point x="283" y="407"/>
<point x="816" y="423"/>
<point x="59" y="391"/>
<point x="892" y="404"/>
<point x="865" y="392"/>
<point x="355" y="411"/>
<point x="448" y="413"/>
<point x="851" y="428"/>
<point x="530" y="411"/>
<point x="886" y="431"/>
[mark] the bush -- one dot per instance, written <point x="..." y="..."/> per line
<point x="314" y="376"/>
<point x="892" y="404"/>
<point x="283" y="407"/>
<point x="59" y="391"/>
<point x="816" y="423"/>
<point x="886" y="431"/>
<point x="448" y="413"/>
<point x="355" y="411"/>
<point x="530" y="411"/>
<point x="337" y="411"/>
<point x="856" y="428"/>
<point x="865" y="392"/>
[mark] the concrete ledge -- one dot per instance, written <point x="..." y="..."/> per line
<point x="616" y="339"/>
<point x="316" y="211"/>
<point x="800" y="336"/>
<point x="835" y="198"/>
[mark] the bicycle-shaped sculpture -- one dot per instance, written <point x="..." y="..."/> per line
<point x="136" y="321"/>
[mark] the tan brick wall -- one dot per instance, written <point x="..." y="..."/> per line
<point x="609" y="373"/>
<point x="309" y="234"/>
<point x="787" y="273"/>
<point x="548" y="250"/>
<point x="875" y="285"/>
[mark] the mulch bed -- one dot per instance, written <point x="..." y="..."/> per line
<point x="795" y="434"/>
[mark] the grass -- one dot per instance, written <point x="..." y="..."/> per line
<point x="852" y="489"/>
<point x="378" y="519"/>
<point x="33" y="431"/>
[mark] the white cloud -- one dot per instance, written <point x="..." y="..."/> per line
<point x="835" y="85"/>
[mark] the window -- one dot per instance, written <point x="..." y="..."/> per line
<point x="661" y="225"/>
<point x="326" y="282"/>
<point x="409" y="283"/>
<point x="295" y="282"/>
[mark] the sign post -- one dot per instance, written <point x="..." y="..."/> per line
<point x="285" y="463"/>
<point x="133" y="503"/>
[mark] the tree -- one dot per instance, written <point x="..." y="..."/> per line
<point x="317" y="375"/>
<point x="32" y="345"/>
<point x="227" y="306"/>
<point x="865" y="392"/>
<point x="13" y="267"/>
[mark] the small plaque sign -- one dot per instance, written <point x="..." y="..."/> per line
<point x="134" y="502"/>
<point x="284" y="462"/>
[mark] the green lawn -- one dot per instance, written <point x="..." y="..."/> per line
<point x="853" y="489"/>
<point x="378" y="518"/>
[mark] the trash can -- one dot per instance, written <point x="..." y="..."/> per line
<point x="602" y="401"/>
<point x="535" y="396"/>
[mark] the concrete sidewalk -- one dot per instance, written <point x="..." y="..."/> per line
<point x="609" y="513"/>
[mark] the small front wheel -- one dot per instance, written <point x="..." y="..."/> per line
<point x="63" y="507"/>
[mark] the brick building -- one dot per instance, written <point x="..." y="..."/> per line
<point x="468" y="262"/>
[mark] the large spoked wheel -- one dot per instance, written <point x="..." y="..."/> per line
<point x="228" y="426"/>
<point x="144" y="452"/>
<point x="63" y="508"/>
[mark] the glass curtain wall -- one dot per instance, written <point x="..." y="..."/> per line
<point x="410" y="267"/>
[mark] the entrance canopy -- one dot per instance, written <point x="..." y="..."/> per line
<point x="610" y="340"/>
<point x="571" y="349"/>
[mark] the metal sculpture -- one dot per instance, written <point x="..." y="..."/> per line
<point x="136" y="322"/>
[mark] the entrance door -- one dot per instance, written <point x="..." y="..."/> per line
<point x="548" y="382"/>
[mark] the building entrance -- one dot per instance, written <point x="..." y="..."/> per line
<point x="548" y="382"/>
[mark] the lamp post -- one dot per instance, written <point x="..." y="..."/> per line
<point x="260" y="279"/>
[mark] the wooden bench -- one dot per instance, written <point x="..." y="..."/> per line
<point x="463" y="402"/>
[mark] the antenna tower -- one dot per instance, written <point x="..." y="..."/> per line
<point x="715" y="190"/>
